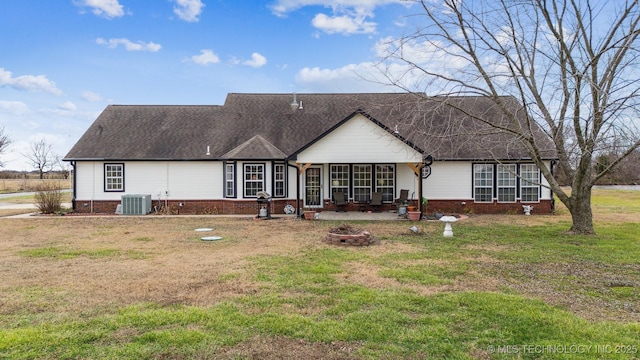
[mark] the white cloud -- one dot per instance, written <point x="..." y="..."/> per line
<point x="428" y="54"/>
<point x="408" y="64"/>
<point x="105" y="8"/>
<point x="130" y="45"/>
<point x="256" y="61"/>
<point x="206" y="57"/>
<point x="282" y="7"/>
<point x="14" y="107"/>
<point x="379" y="76"/>
<point x="68" y="106"/>
<point x="188" y="10"/>
<point x="349" y="78"/>
<point x="343" y="24"/>
<point x="349" y="16"/>
<point x="90" y="96"/>
<point x="28" y="82"/>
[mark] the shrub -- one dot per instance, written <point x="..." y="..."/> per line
<point x="48" y="198"/>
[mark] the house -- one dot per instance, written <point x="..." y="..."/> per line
<point x="301" y="148"/>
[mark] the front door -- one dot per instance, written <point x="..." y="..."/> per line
<point x="313" y="187"/>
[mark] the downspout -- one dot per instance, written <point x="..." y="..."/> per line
<point x="420" y="191"/>
<point x="298" y="214"/>
<point x="553" y="197"/>
<point x="74" y="186"/>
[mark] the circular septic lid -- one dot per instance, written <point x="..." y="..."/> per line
<point x="211" y="238"/>
<point x="204" y="229"/>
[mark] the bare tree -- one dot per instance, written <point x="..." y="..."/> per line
<point x="572" y="64"/>
<point x="4" y="143"/>
<point x="41" y="157"/>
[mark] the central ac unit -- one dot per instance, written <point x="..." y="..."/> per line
<point x="136" y="204"/>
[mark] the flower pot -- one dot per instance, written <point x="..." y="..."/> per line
<point x="414" y="215"/>
<point x="309" y="215"/>
<point x="411" y="208"/>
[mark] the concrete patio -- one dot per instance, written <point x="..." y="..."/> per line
<point x="358" y="215"/>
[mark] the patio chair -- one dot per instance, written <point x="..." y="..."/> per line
<point x="340" y="201"/>
<point x="376" y="201"/>
<point x="402" y="200"/>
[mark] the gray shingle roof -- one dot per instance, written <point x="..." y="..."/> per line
<point x="265" y="126"/>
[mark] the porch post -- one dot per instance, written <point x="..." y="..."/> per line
<point x="417" y="170"/>
<point x="420" y="191"/>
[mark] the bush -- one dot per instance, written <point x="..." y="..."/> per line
<point x="49" y="199"/>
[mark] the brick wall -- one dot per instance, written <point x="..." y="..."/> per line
<point x="470" y="207"/>
<point x="251" y="207"/>
<point x="191" y="207"/>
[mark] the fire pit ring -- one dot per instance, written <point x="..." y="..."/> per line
<point x="345" y="235"/>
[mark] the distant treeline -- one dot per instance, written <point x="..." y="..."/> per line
<point x="627" y="172"/>
<point x="12" y="174"/>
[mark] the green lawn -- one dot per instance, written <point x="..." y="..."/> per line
<point x="496" y="290"/>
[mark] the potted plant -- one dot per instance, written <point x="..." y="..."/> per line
<point x="414" y="215"/>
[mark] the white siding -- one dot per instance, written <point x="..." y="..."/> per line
<point x="359" y="140"/>
<point x="406" y="179"/>
<point x="449" y="181"/>
<point x="193" y="180"/>
<point x="453" y="181"/>
<point x="161" y="179"/>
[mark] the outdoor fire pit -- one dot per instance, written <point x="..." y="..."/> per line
<point x="346" y="235"/>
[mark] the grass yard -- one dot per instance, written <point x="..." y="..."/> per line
<point x="32" y="184"/>
<point x="503" y="287"/>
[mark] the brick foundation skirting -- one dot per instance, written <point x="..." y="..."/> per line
<point x="251" y="207"/>
<point x="189" y="207"/>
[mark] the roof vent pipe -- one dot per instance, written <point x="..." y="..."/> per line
<point x="294" y="103"/>
<point x="208" y="152"/>
<point x="300" y="107"/>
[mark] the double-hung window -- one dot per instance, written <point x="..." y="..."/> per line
<point x="339" y="174"/>
<point x="529" y="180"/>
<point x="113" y="177"/>
<point x="230" y="180"/>
<point x="385" y="178"/>
<point x="483" y="182"/>
<point x="361" y="183"/>
<point x="279" y="183"/>
<point x="253" y="179"/>
<point x="506" y="181"/>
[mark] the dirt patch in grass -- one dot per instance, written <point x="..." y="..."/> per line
<point x="162" y="260"/>
<point x="277" y="348"/>
<point x="587" y="289"/>
<point x="368" y="275"/>
<point x="171" y="266"/>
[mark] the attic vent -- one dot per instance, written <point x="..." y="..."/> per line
<point x="136" y="204"/>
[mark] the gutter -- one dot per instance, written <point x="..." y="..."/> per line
<point x="298" y="213"/>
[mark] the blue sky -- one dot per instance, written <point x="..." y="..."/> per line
<point x="62" y="62"/>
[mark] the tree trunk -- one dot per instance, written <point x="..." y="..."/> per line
<point x="580" y="207"/>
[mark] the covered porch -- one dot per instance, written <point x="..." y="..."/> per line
<point x="360" y="159"/>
